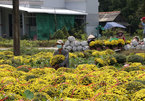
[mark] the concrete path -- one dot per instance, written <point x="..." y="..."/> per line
<point x="49" y="48"/>
<point x="5" y="48"/>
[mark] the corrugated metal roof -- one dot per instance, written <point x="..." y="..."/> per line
<point x="49" y="11"/>
<point x="108" y="16"/>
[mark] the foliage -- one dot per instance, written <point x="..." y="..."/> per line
<point x="134" y="86"/>
<point x="120" y="58"/>
<point x="83" y="81"/>
<point x="109" y="33"/>
<point x="128" y="69"/>
<point x="141" y="54"/>
<point x="135" y="58"/>
<point x="28" y="94"/>
<point x="28" y="43"/>
<point x="59" y="34"/>
<point x="41" y="97"/>
<point x="139" y="32"/>
<point x="78" y="31"/>
<point x="107" y="44"/>
<point x="135" y="66"/>
<point x="57" y="59"/>
<point x="132" y="10"/>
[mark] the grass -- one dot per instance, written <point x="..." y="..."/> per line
<point x="128" y="52"/>
<point x="6" y="43"/>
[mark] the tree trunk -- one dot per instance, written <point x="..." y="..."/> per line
<point x="16" y="27"/>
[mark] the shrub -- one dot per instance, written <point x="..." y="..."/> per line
<point x="88" y="53"/>
<point x="43" y="43"/>
<point x="109" y="33"/>
<point x="65" y="31"/>
<point x="41" y="96"/>
<point x="120" y="58"/>
<point x="100" y="62"/>
<point x="139" y="33"/>
<point x="30" y="77"/>
<point x="135" y="86"/>
<point x="128" y="69"/>
<point x="57" y="59"/>
<point x="135" y="58"/>
<point x="60" y="34"/>
<point x="23" y="69"/>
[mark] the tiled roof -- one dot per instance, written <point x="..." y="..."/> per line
<point x="108" y="16"/>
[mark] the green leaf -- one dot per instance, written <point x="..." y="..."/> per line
<point x="143" y="82"/>
<point x="28" y="94"/>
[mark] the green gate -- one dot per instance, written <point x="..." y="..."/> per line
<point x="48" y="23"/>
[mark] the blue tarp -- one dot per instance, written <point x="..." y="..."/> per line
<point x="110" y="25"/>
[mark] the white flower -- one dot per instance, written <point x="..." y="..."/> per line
<point x="139" y="47"/>
<point x="74" y="49"/>
<point x="134" y="43"/>
<point x="71" y="38"/>
<point x="127" y="47"/>
<point x="67" y="43"/>
<point x="84" y="43"/>
<point x="79" y="48"/>
<point x="86" y="48"/>
<point x="77" y="43"/>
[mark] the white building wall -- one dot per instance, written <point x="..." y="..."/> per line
<point x="93" y="16"/>
<point x="54" y="4"/>
<point x="90" y="7"/>
<point x="78" y="5"/>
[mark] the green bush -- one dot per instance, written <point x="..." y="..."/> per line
<point x="135" y="86"/>
<point x="6" y="42"/>
<point x="109" y="33"/>
<point x="65" y="31"/>
<point x="139" y="33"/>
<point x="44" y="43"/>
<point x="88" y="53"/>
<point x="23" y="69"/>
<point x="80" y="35"/>
<point x="78" y="31"/>
<point x="30" y="77"/>
<point x="135" y="58"/>
<point x="40" y="97"/>
<point x="120" y="58"/>
<point x="60" y="34"/>
<point x="128" y="69"/>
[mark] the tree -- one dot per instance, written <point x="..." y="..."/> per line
<point x="133" y="10"/>
<point x="16" y="23"/>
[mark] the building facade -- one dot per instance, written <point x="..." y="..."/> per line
<point x="38" y="17"/>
